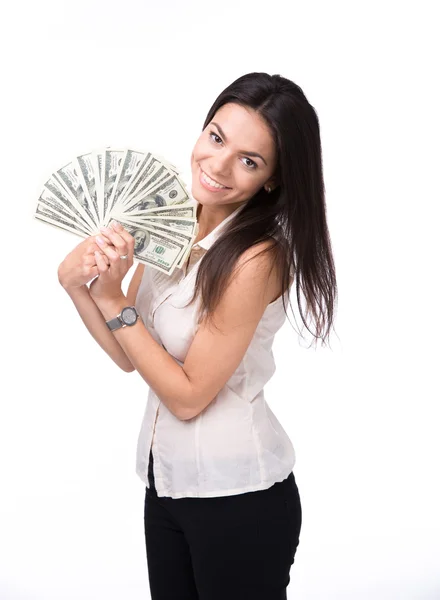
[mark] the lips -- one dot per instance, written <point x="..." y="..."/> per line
<point x="225" y="187"/>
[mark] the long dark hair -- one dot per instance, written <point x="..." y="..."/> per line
<point x="292" y="216"/>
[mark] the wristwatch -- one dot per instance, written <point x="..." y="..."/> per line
<point x="128" y="316"/>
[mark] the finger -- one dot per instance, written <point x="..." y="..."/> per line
<point x="93" y="246"/>
<point x="118" y="242"/>
<point x="123" y="233"/>
<point x="90" y="260"/>
<point x="101" y="265"/>
<point x="90" y="272"/>
<point x="107" y="249"/>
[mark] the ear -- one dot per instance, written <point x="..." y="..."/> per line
<point x="272" y="183"/>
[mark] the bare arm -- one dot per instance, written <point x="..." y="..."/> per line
<point x="214" y="354"/>
<point x="95" y="323"/>
<point x="93" y="319"/>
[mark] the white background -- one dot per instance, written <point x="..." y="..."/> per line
<point x="362" y="416"/>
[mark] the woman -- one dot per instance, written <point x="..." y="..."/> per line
<point x="222" y="508"/>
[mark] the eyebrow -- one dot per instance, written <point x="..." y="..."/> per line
<point x="222" y="133"/>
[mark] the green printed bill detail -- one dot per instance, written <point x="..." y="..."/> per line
<point x="156" y="246"/>
<point x="141" y="190"/>
<point x="43" y="213"/>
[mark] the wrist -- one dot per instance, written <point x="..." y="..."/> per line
<point x="71" y="289"/>
<point x="111" y="307"/>
<point x="64" y="280"/>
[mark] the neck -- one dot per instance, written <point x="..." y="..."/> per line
<point x="208" y="217"/>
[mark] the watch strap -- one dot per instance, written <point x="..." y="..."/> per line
<point x="114" y="323"/>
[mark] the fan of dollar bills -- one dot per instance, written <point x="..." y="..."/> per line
<point x="141" y="190"/>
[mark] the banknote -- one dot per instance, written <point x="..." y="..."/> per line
<point x="187" y="228"/>
<point x="49" y="201"/>
<point x="152" y="175"/>
<point x="184" y="211"/>
<point x="112" y="161"/>
<point x="69" y="179"/>
<point x="43" y="213"/>
<point x="171" y="192"/>
<point x="66" y="201"/>
<point x="144" y="178"/>
<point x="132" y="161"/>
<point x="180" y="236"/>
<point x="86" y="169"/>
<point x="187" y="232"/>
<point x="154" y="247"/>
<point x="140" y="189"/>
<point x="177" y="225"/>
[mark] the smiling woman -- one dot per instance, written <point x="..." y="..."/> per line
<point x="221" y="496"/>
<point x="221" y="164"/>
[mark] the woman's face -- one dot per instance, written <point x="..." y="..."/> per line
<point x="226" y="152"/>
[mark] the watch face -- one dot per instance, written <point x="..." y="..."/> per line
<point x="129" y="315"/>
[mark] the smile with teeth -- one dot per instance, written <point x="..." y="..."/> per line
<point x="212" y="182"/>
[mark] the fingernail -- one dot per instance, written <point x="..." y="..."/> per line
<point x="104" y="228"/>
<point x="100" y="240"/>
<point x="116" y="225"/>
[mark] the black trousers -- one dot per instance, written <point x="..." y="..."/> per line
<point x="224" y="548"/>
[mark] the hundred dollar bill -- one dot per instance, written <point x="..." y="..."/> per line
<point x="176" y="235"/>
<point x="182" y="211"/>
<point x="186" y="214"/>
<point x="195" y="232"/>
<point x="132" y="161"/>
<point x="133" y="181"/>
<point x="171" y="167"/>
<point x="172" y="190"/>
<point x="155" y="249"/>
<point x="64" y="199"/>
<point x="99" y="185"/>
<point x="151" y="190"/>
<point x="152" y="174"/>
<point x="144" y="178"/>
<point x="174" y="224"/>
<point x="49" y="201"/>
<point x="145" y="203"/>
<point x="185" y="236"/>
<point x="68" y="177"/>
<point x="161" y="175"/>
<point x="111" y="165"/>
<point x="188" y="240"/>
<point x="165" y="162"/>
<point x="43" y="213"/>
<point x="169" y="193"/>
<point x="86" y="167"/>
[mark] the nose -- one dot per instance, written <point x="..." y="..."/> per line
<point x="220" y="165"/>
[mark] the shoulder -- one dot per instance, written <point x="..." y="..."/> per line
<point x="261" y="255"/>
<point x="257" y="270"/>
<point x="255" y="282"/>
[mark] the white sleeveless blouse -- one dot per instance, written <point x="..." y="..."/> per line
<point x="236" y="444"/>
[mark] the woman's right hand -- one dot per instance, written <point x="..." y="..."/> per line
<point x="79" y="266"/>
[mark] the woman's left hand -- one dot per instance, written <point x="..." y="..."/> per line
<point x="117" y="242"/>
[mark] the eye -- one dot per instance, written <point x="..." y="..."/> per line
<point x="253" y="165"/>
<point x="211" y="133"/>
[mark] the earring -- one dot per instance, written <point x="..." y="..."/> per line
<point x="268" y="189"/>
